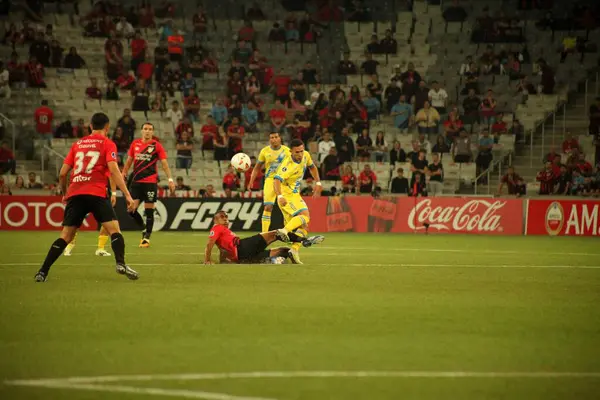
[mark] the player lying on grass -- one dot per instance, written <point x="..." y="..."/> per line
<point x="252" y="249"/>
<point x="91" y="160"/>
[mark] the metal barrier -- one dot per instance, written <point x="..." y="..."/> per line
<point x="7" y="121"/>
<point x="52" y="154"/>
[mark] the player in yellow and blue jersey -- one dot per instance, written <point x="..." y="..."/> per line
<point x="270" y="157"/>
<point x="287" y="188"/>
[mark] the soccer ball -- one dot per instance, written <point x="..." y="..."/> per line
<point x="241" y="162"/>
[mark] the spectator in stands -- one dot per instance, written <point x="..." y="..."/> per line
<point x="278" y="117"/>
<point x="4" y="81"/>
<point x="180" y="186"/>
<point x="330" y="166"/>
<point x="517" y="130"/>
<point x="577" y="182"/>
<point x="291" y="32"/>
<point x="74" y="60"/>
<point x="388" y="44"/>
<point x="441" y="146"/>
<point x="35" y="73"/>
<point x="219" y="112"/>
<point x="324" y="146"/>
<point x="367" y="180"/>
<point x="347" y="67"/>
<point x="546" y="177"/>
<point x="392" y="94"/>
<point x="185" y="125"/>
<point x="7" y="159"/>
<point x="452" y="127"/>
<point x="111" y="91"/>
<point x="124" y="29"/>
<point x="435" y="171"/>
<point x="419" y="164"/>
<point x="146" y="17"/>
<point x="17" y="72"/>
<point x="402" y="113"/>
<point x="235" y="133"/>
<point x="471" y="80"/>
<point x="114" y="63"/>
<point x="209" y="132"/>
<point x="583" y="165"/>
<point x="40" y="49"/>
<point x="81" y="129"/>
<point x="465" y="67"/>
<point x="122" y="145"/>
<point x="64" y="130"/>
<point x="43" y="117"/>
<point x="174" y="114"/>
<point x="242" y="52"/>
<point x="399" y="183"/>
<point x="344" y="146"/>
<point x="484" y="156"/>
<point x="348" y="179"/>
<point x="454" y="13"/>
<point x="191" y="104"/>
<point x="471" y="106"/>
<point x="187" y="84"/>
<point x="594" y="115"/>
<point x="373" y="47"/>
<point x="200" y="21"/>
<point x="563" y="181"/>
<point x="372" y="104"/>
<point x="221" y="144"/>
<point x="19" y="183"/>
<point x="547" y="77"/>
<point x="231" y="180"/>
<point x="514" y="183"/>
<point x="397" y="154"/>
<point x="5" y="189"/>
<point x="250" y="117"/>
<point x="461" y="149"/>
<point x="427" y="119"/>
<point x="438" y="97"/>
<point x="513" y="68"/>
<point x="277" y="33"/>
<point x="410" y="80"/>
<point x="246" y="32"/>
<point x="488" y="108"/>
<point x="128" y="124"/>
<point x="141" y="97"/>
<point x="184" y="148"/>
<point x="369" y="66"/>
<point x="570" y="143"/>
<point x="32" y="182"/>
<point x="375" y="88"/>
<point x="93" y="91"/>
<point x="281" y="83"/>
<point x="56" y="55"/>
<point x="380" y="147"/>
<point x="139" y="47"/>
<point x="364" y="146"/>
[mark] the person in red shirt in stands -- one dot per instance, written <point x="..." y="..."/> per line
<point x="43" y="117"/>
<point x="552" y="155"/>
<point x="7" y="160"/>
<point x="235" y="133"/>
<point x="145" y="70"/>
<point x="257" y="184"/>
<point x="93" y="91"/>
<point x="209" y="132"/>
<point x="246" y="32"/>
<point x="570" y="143"/>
<point x="231" y="180"/>
<point x="138" y="50"/>
<point x="191" y="104"/>
<point x="584" y="166"/>
<point x="546" y="178"/>
<point x="199" y="20"/>
<point x="185" y="125"/>
<point x="281" y="82"/>
<point x="278" y="117"/>
<point x="367" y="180"/>
<point x="36" y="73"/>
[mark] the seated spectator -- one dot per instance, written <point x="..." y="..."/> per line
<point x="392" y="95"/>
<point x="402" y="113"/>
<point x="219" y="112"/>
<point x="180" y="186"/>
<point x="563" y="181"/>
<point x="81" y="129"/>
<point x="32" y="183"/>
<point x="187" y="84"/>
<point x="241" y="53"/>
<point x="373" y="47"/>
<point x="471" y="80"/>
<point x="246" y="32"/>
<point x="548" y="79"/>
<point x="440" y="146"/>
<point x="250" y="117"/>
<point x="546" y="177"/>
<point x="465" y="67"/>
<point x="35" y="73"/>
<point x="418" y="186"/>
<point x="192" y="106"/>
<point x="124" y="29"/>
<point x="348" y="179"/>
<point x="364" y="146"/>
<point x="19" y="183"/>
<point x="174" y="114"/>
<point x="513" y="67"/>
<point x="291" y="32"/>
<point x="93" y="91"/>
<point x="380" y="147"/>
<point x="583" y="165"/>
<point x="200" y="21"/>
<point x="7" y="160"/>
<point x="5" y="189"/>
<point x="369" y="66"/>
<point x="427" y="119"/>
<point x="454" y="13"/>
<point x="517" y="130"/>
<point x="495" y="68"/>
<point x="438" y="97"/>
<point x="141" y="97"/>
<point x="514" y="183"/>
<point x="231" y="180"/>
<point x="235" y="133"/>
<point x="56" y="55"/>
<point x="221" y="145"/>
<point x="484" y="156"/>
<point x="347" y="67"/>
<point x="570" y="143"/>
<point x="330" y="166"/>
<point x="64" y="130"/>
<point x="397" y="154"/>
<point x="111" y="91"/>
<point x="209" y="132"/>
<point x="372" y="104"/>
<point x="399" y="183"/>
<point x="367" y="180"/>
<point x="114" y="63"/>
<point x="146" y="17"/>
<point x="452" y="127"/>
<point x="388" y="44"/>
<point x="324" y="146"/>
<point x="418" y="165"/>
<point x="577" y="182"/>
<point x="254" y="13"/>
<point x="461" y="149"/>
<point x="278" y="117"/>
<point x="184" y="148"/>
<point x="277" y="33"/>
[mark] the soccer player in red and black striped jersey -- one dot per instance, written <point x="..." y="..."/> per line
<point x="91" y="160"/>
<point x="144" y="155"/>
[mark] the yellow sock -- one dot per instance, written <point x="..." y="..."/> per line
<point x="266" y="220"/>
<point x="74" y="241"/>
<point x="102" y="239"/>
<point x="300" y="232"/>
<point x="296" y="222"/>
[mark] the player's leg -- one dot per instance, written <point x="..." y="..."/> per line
<point x="75" y="212"/>
<point x="296" y="218"/>
<point x="105" y="215"/>
<point x="71" y="246"/>
<point x="269" y="197"/>
<point x="149" y="193"/>
<point x="103" y="237"/>
<point x="137" y="194"/>
<point x="279" y="255"/>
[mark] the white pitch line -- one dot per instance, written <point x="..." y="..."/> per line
<point x="200" y="264"/>
<point x="188" y="394"/>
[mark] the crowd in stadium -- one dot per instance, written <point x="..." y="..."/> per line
<point x="301" y="108"/>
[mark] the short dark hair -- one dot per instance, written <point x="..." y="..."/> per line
<point x="274" y="133"/>
<point x="400" y="170"/>
<point x="44" y="102"/>
<point x="296" y="143"/>
<point x="99" y="121"/>
<point x="148" y="123"/>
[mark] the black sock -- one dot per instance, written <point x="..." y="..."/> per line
<point x="149" y="212"/>
<point x="55" y="251"/>
<point x="295" y="238"/>
<point x="137" y="218"/>
<point x="117" y="243"/>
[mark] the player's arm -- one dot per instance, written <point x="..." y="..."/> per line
<point x="257" y="167"/>
<point x="113" y="191"/>
<point x="165" y="167"/>
<point x="116" y="176"/>
<point x="208" y="250"/>
<point x="314" y="171"/>
<point x="127" y="165"/>
<point x="62" y="178"/>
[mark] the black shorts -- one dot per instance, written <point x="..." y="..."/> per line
<point x="252" y="249"/>
<point x="79" y="206"/>
<point x="146" y="192"/>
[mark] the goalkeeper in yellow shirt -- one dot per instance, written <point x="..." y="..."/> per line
<point x="270" y="157"/>
<point x="286" y="185"/>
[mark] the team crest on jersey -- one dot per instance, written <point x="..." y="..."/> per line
<point x="150" y="149"/>
<point x="113" y="155"/>
<point x="212" y="233"/>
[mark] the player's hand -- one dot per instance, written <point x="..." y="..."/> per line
<point x="317" y="191"/>
<point x="113" y="200"/>
<point x="64" y="199"/>
<point x="282" y="201"/>
<point x="208" y="262"/>
<point x="172" y="188"/>
<point x="130" y="204"/>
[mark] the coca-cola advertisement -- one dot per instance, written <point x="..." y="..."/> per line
<point x="563" y="217"/>
<point x="35" y="213"/>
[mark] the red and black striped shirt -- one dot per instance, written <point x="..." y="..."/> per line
<point x="145" y="159"/>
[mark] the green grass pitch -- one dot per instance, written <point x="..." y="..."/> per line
<point x="447" y="317"/>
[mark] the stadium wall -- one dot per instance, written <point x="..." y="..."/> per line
<point x="438" y="215"/>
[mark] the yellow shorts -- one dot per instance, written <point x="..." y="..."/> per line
<point x="295" y="205"/>
<point x="269" y="195"/>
